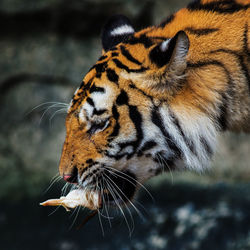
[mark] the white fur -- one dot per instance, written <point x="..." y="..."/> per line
<point x="194" y="127"/>
<point x="69" y="107"/>
<point x="103" y="100"/>
<point x="164" y="45"/>
<point x="76" y="91"/>
<point x="86" y="112"/>
<point x="124" y="29"/>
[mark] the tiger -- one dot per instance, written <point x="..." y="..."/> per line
<point x="157" y="99"/>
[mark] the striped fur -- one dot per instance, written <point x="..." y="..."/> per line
<point x="156" y="99"/>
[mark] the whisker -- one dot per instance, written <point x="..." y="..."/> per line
<point x="166" y="164"/>
<point x="163" y="166"/>
<point x="129" y="212"/>
<point x="46" y="110"/>
<point x="54" y="210"/>
<point x="99" y="189"/>
<point x="110" y="190"/>
<point x="76" y="210"/>
<point x="131" y="178"/>
<point x="55" y="179"/>
<point x="46" y="103"/>
<point x="56" y="112"/>
<point x="131" y="203"/>
<point x="113" y="183"/>
<point x="160" y="162"/>
<point x="100" y="221"/>
<point x="104" y="205"/>
<point x="65" y="187"/>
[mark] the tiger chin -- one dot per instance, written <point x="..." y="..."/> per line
<point x="157" y="99"/>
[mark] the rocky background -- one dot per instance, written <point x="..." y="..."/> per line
<point x="46" y="47"/>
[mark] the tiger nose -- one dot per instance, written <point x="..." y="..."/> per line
<point x="71" y="177"/>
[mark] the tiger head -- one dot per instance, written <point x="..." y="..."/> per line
<point x="133" y="115"/>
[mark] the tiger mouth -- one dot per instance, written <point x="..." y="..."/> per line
<point x="120" y="188"/>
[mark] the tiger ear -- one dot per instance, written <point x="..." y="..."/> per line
<point x="172" y="53"/>
<point x="118" y="29"/>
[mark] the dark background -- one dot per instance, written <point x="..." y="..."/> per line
<point x="46" y="47"/>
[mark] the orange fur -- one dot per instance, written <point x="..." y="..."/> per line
<point x="210" y="83"/>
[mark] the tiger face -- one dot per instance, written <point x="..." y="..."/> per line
<point x="125" y="123"/>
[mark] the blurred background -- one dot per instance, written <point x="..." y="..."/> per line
<point x="46" y="47"/>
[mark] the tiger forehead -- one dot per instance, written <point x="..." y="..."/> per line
<point x="88" y="83"/>
<point x="119" y="57"/>
<point x="109" y="65"/>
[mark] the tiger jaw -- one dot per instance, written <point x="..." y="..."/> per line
<point x="120" y="189"/>
<point x="115" y="187"/>
<point x="119" y="185"/>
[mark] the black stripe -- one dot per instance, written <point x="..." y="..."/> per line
<point x="96" y="89"/>
<point x="245" y="40"/>
<point x="91" y="164"/>
<point x="80" y="94"/>
<point x="222" y="119"/>
<point x="200" y="32"/>
<point x="132" y="86"/>
<point x="113" y="49"/>
<point x="90" y="102"/>
<point x="143" y="39"/>
<point x="222" y="7"/>
<point x="116" y="116"/>
<point x="189" y="143"/>
<point x="147" y="146"/>
<point x="199" y="64"/>
<point x="240" y="58"/>
<point x="102" y="58"/>
<point x="160" y="37"/>
<point x="120" y="65"/>
<point x="100" y="68"/>
<point x="246" y="50"/>
<point x="90" y="174"/>
<point x="156" y="119"/>
<point x="136" y="118"/>
<point x="82" y="84"/>
<point x="168" y="20"/>
<point x="86" y="86"/>
<point x="86" y="168"/>
<point x="122" y="98"/>
<point x="114" y="54"/>
<point x="167" y="163"/>
<point x="245" y="70"/>
<point x="112" y="76"/>
<point x="206" y="146"/>
<point x="116" y="156"/>
<point x="126" y="54"/>
<point x="89" y="161"/>
<point x="99" y="112"/>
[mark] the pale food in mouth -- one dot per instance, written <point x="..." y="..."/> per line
<point x="90" y="199"/>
